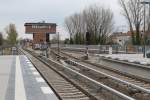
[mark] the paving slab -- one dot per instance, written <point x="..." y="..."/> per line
<point x="129" y="57"/>
<point x="17" y="81"/>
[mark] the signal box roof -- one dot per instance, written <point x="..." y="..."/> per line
<point x="40" y="24"/>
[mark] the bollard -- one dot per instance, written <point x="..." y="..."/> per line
<point x="110" y="50"/>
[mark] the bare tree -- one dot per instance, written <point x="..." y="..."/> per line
<point x="97" y="20"/>
<point x="74" y="24"/>
<point x="69" y="27"/>
<point x="91" y="17"/>
<point x="133" y="12"/>
<point x="1" y="39"/>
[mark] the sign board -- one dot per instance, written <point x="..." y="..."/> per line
<point x="40" y="28"/>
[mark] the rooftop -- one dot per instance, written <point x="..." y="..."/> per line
<point x="40" y="24"/>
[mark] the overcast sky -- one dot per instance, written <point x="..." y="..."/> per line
<point x="53" y="11"/>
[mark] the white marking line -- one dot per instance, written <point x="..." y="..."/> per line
<point x="19" y="85"/>
<point x="33" y="69"/>
<point x="47" y="90"/>
<point x="35" y="73"/>
<point x="40" y="80"/>
<point x="30" y="65"/>
<point x="29" y="62"/>
<point x="25" y="57"/>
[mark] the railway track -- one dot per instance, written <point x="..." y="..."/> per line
<point x="63" y="88"/>
<point x="130" y="86"/>
<point x="91" y="89"/>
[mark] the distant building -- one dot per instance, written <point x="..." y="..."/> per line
<point x="120" y="37"/>
<point x="147" y="34"/>
<point x="40" y="31"/>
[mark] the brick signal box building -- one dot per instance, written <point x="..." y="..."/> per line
<point x="40" y="31"/>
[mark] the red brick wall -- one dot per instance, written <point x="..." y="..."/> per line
<point x="39" y="37"/>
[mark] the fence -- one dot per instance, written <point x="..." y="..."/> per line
<point x="105" y="48"/>
<point x="8" y="50"/>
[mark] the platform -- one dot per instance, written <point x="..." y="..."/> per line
<point x="129" y="57"/>
<point x="19" y="80"/>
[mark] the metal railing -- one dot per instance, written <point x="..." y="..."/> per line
<point x="105" y="48"/>
<point x="8" y="50"/>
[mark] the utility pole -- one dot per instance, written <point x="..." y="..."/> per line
<point x="50" y="41"/>
<point x="87" y="43"/>
<point x="47" y="45"/>
<point x="58" y="47"/>
<point x="149" y="19"/>
<point x="144" y="44"/>
<point x="144" y="31"/>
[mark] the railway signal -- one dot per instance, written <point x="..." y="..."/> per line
<point x="87" y="43"/>
<point x="87" y="38"/>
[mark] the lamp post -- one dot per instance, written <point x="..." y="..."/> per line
<point x="47" y="45"/>
<point x="144" y="3"/>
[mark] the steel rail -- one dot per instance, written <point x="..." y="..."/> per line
<point x="96" y="82"/>
<point x="67" y="79"/>
<point x="113" y="91"/>
<point x="114" y="78"/>
<point x="117" y="79"/>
